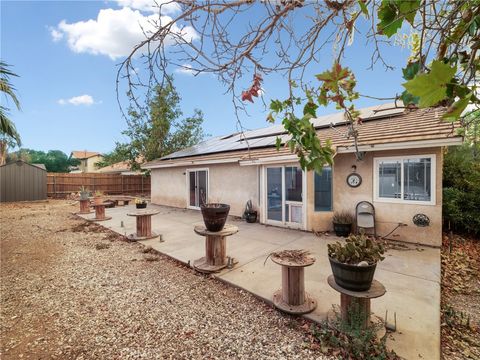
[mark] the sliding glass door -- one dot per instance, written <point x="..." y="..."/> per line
<point x="197" y="188"/>
<point x="284" y="195"/>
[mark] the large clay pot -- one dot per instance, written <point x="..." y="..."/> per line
<point x="97" y="200"/>
<point x="352" y="277"/>
<point x="215" y="216"/>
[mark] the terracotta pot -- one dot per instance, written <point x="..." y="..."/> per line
<point x="97" y="200"/>
<point x="215" y="216"/>
<point x="352" y="277"/>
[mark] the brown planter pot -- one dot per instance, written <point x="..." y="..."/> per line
<point x="215" y="216"/>
<point x="97" y="200"/>
<point x="352" y="277"/>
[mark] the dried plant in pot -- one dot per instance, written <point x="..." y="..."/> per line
<point x="215" y="215"/>
<point x="84" y="193"/>
<point x="249" y="214"/>
<point x="342" y="223"/>
<point x="98" y="197"/>
<point x="140" y="203"/>
<point x="354" y="262"/>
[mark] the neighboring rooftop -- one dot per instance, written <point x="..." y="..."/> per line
<point x="382" y="124"/>
<point x="84" y="154"/>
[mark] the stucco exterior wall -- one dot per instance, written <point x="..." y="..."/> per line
<point x="388" y="215"/>
<point x="228" y="183"/>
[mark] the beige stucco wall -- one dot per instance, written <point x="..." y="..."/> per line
<point x="228" y="183"/>
<point x="388" y="215"/>
<point x="88" y="165"/>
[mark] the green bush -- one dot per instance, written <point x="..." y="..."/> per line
<point x="461" y="189"/>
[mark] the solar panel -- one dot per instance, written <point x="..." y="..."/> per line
<point x="267" y="136"/>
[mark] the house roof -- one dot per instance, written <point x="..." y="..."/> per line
<point x="115" y="168"/>
<point x="383" y="126"/>
<point x="84" y="154"/>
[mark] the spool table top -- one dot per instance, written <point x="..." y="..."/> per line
<point x="288" y="262"/>
<point x="226" y="231"/>
<point x="375" y="291"/>
<point x="147" y="212"/>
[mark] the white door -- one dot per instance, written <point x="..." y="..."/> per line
<point x="197" y="188"/>
<point x="284" y="196"/>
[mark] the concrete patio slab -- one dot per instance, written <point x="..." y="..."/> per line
<point x="411" y="276"/>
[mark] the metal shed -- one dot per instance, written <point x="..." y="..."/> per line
<point x="20" y="181"/>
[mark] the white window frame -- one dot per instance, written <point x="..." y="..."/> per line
<point x="376" y="189"/>
<point x="264" y="200"/>
<point x="187" y="184"/>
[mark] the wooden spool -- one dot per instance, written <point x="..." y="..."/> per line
<point x="144" y="225"/>
<point x="356" y="304"/>
<point x="100" y="213"/>
<point x="292" y="297"/>
<point x="215" y="257"/>
<point x="84" y="206"/>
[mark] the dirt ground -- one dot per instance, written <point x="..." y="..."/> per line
<point x="70" y="289"/>
<point x="460" y="298"/>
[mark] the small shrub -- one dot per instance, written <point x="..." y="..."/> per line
<point x="343" y="217"/>
<point x="357" y="248"/>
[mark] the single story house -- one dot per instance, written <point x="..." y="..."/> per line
<point x="88" y="159"/>
<point x="400" y="173"/>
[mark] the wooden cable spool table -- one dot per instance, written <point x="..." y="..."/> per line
<point x="356" y="304"/>
<point x="215" y="257"/>
<point x="100" y="212"/>
<point x="144" y="225"/>
<point x="292" y="297"/>
<point x="84" y="206"/>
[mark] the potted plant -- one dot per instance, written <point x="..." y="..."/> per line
<point x="249" y="214"/>
<point x="214" y="215"/>
<point x="84" y="193"/>
<point x="354" y="262"/>
<point x="342" y="223"/>
<point x="98" y="197"/>
<point x="140" y="203"/>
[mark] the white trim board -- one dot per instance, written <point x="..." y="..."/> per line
<point x="403" y="145"/>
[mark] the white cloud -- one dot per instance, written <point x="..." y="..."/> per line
<point x="185" y="69"/>
<point x="115" y="32"/>
<point x="78" y="100"/>
<point x="56" y="35"/>
<point x="165" y="6"/>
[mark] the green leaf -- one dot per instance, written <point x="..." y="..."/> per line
<point x="309" y="109"/>
<point x="408" y="98"/>
<point x="278" y="143"/>
<point x="363" y="8"/>
<point x="456" y="109"/>
<point x="391" y="14"/>
<point x="431" y="87"/>
<point x="411" y="70"/>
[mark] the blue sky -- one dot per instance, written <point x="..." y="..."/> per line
<point x="68" y="95"/>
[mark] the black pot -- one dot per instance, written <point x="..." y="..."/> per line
<point x="251" y="217"/>
<point x="215" y="216"/>
<point x="352" y="277"/>
<point x="141" y="206"/>
<point x="342" y="229"/>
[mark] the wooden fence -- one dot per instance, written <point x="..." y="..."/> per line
<point x="60" y="185"/>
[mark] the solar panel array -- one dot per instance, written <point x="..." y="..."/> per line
<point x="267" y="136"/>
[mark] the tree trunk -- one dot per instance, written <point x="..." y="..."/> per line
<point x="3" y="152"/>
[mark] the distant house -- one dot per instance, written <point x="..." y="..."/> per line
<point x="399" y="172"/>
<point x="122" y="167"/>
<point x="88" y="159"/>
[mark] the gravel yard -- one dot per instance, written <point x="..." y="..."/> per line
<point x="70" y="289"/>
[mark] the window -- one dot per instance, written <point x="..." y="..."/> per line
<point x="323" y="190"/>
<point x="408" y="179"/>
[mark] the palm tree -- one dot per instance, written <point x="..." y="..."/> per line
<point x="8" y="131"/>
